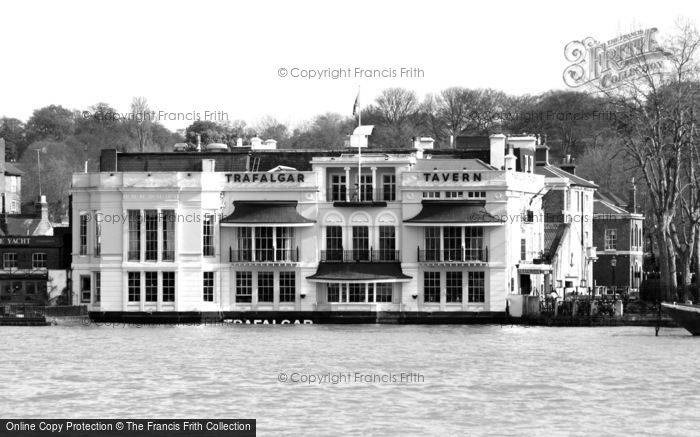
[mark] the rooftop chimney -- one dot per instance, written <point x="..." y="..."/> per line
<point x="199" y="143"/>
<point x="497" y="150"/>
<point x="568" y="165"/>
<point x="239" y="142"/>
<point x="255" y="142"/>
<point x="423" y="143"/>
<point x="632" y="201"/>
<point x="509" y="159"/>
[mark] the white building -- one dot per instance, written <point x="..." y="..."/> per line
<point x="181" y="236"/>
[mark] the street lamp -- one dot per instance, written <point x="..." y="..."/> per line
<point x="613" y="263"/>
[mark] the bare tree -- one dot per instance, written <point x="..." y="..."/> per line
<point x="655" y="122"/>
<point x="142" y="121"/>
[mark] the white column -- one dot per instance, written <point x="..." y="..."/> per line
<point x="374" y="183"/>
<point x="347" y="184"/>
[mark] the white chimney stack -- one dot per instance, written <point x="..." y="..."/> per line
<point x="497" y="150"/>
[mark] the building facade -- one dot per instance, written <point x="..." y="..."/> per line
<point x="619" y="234"/>
<point x="420" y="234"/>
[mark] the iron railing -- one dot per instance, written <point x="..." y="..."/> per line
<point x="453" y="255"/>
<point x="360" y="255"/>
<point x="263" y="255"/>
<point x="356" y="195"/>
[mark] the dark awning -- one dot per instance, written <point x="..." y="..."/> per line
<point x="266" y="213"/>
<point x="359" y="272"/>
<point x="454" y="213"/>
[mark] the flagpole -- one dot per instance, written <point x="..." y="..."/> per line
<point x="359" y="147"/>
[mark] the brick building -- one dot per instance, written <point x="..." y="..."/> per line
<point x="619" y="235"/>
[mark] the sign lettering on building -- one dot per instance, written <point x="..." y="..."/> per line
<point x="264" y="177"/>
<point x="452" y="177"/>
<point x="12" y="241"/>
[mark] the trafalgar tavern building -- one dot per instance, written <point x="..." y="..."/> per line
<point x="257" y="234"/>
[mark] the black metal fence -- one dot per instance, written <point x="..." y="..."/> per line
<point x="361" y="255"/>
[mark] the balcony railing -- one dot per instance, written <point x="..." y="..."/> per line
<point x="362" y="255"/>
<point x="454" y="255"/>
<point x="263" y="255"/>
<point x="367" y="195"/>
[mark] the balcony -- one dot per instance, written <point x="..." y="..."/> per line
<point x="453" y="255"/>
<point x="369" y="255"/>
<point x="263" y="255"/>
<point x="365" y="197"/>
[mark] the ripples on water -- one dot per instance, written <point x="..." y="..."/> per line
<point x="478" y="379"/>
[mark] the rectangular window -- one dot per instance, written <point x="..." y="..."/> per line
<point x="134" y="235"/>
<point x="208" y="235"/>
<point x="245" y="245"/>
<point x="285" y="244"/>
<point x="475" y="282"/>
<point x="611" y="239"/>
<point x="9" y="260"/>
<point x="476" y="194"/>
<point x="385" y="293"/>
<point x="244" y="287"/>
<point x="523" y="249"/>
<point x="453" y="287"/>
<point x="39" y="260"/>
<point x="83" y="236"/>
<point x="432" y="244"/>
<point x="134" y="284"/>
<point x="366" y="188"/>
<point x="288" y="288"/>
<point x="85" y="289"/>
<point x="387" y="243"/>
<point x="338" y="188"/>
<point x="266" y="287"/>
<point x="474" y="243"/>
<point x="168" y="286"/>
<point x="356" y="293"/>
<point x="98" y="233"/>
<point x="389" y="187"/>
<point x="208" y="286"/>
<point x="264" y="250"/>
<point x="98" y="286"/>
<point x="151" y="217"/>
<point x="360" y="243"/>
<point x="454" y="194"/>
<point x="333" y="292"/>
<point x="168" y="218"/>
<point x="431" y="287"/>
<point x="334" y="243"/>
<point x="452" y="242"/>
<point x="431" y="194"/>
<point x="151" y="286"/>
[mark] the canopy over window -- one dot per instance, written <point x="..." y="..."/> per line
<point x="265" y="213"/>
<point x="454" y="213"/>
<point x="359" y="272"/>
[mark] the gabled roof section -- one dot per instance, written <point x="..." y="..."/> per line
<point x="553" y="236"/>
<point x="550" y="171"/>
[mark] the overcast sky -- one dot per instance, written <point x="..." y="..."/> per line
<point x="226" y="56"/>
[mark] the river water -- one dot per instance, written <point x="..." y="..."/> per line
<point x="458" y="380"/>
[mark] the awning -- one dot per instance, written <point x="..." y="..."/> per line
<point x="359" y="272"/>
<point x="265" y="213"/>
<point x="534" y="269"/>
<point x="454" y="213"/>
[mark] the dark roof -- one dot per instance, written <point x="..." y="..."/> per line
<point x="19" y="225"/>
<point x="611" y="198"/>
<point x="550" y="171"/>
<point x="359" y="271"/>
<point x="243" y="158"/>
<point x="454" y="211"/>
<point x="12" y="170"/>
<point x="473" y="142"/>
<point x="553" y="233"/>
<point x="265" y="212"/>
<point x="603" y="207"/>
